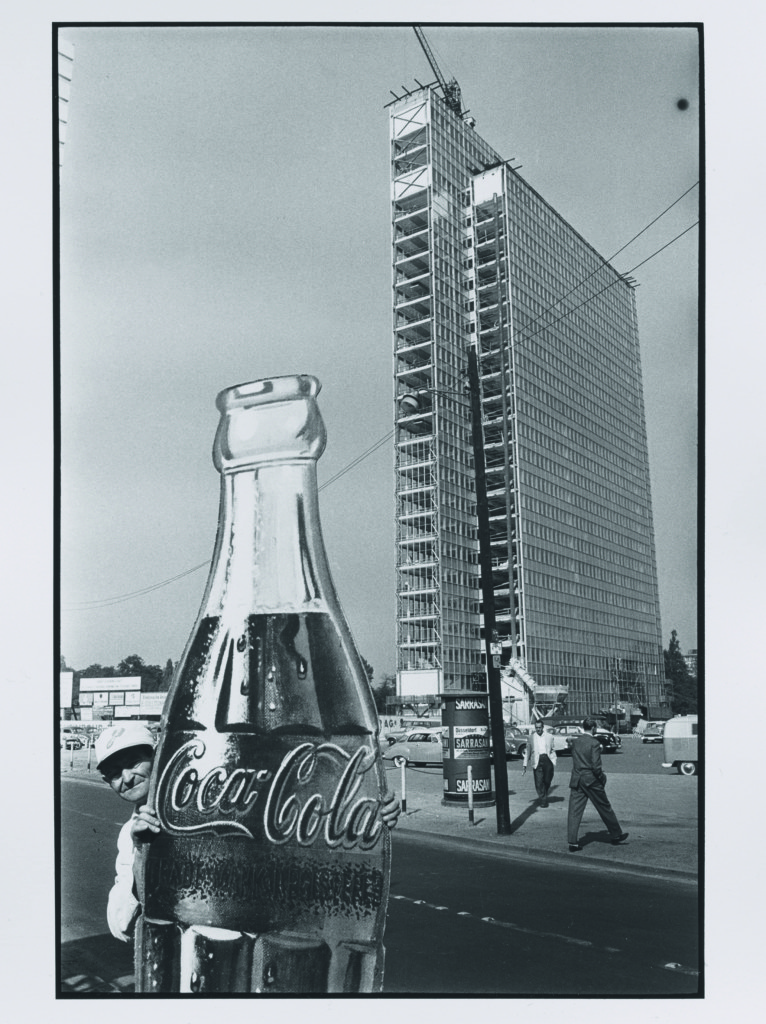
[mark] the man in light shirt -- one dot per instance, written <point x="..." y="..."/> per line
<point x="540" y="752"/>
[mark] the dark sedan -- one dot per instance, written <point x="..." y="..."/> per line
<point x="563" y="736"/>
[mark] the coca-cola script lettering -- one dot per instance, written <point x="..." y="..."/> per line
<point x="294" y="805"/>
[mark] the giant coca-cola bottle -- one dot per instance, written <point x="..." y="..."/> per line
<point x="270" y="873"/>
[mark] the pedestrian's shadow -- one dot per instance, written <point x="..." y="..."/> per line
<point x="533" y="808"/>
<point x="602" y="838"/>
<point x="97" y="963"/>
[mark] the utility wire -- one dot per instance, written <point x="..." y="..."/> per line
<point x="608" y="286"/>
<point x="604" y="265"/>
<point x="358" y="459"/>
<point x="107" y="602"/>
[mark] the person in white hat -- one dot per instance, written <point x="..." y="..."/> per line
<point x="124" y="756"/>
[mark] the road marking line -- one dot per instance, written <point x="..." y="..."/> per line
<point x="510" y="925"/>
<point x="100" y="817"/>
<point x="679" y="969"/>
<point x="533" y="931"/>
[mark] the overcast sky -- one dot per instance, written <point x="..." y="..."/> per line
<point x="225" y="216"/>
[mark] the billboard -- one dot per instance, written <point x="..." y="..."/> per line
<point x="152" y="703"/>
<point x="65" y="689"/>
<point x="109" y="683"/>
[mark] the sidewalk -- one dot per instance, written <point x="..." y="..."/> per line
<point x="659" y="811"/>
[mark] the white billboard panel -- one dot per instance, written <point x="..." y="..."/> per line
<point x="152" y="703"/>
<point x="65" y="689"/>
<point x="110" y="683"/>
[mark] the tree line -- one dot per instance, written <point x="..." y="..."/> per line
<point x="155" y="679"/>
<point x="682" y="684"/>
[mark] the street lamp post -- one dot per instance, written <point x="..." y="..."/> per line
<point x="488" y="597"/>
<point x="488" y="601"/>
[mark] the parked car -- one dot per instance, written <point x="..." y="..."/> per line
<point x="421" y="746"/>
<point x="653" y="732"/>
<point x="610" y="741"/>
<point x="386" y="739"/>
<point x="515" y="741"/>
<point x="563" y="736"/>
<point x="73" y="742"/>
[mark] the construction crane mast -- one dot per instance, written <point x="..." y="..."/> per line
<point x="450" y="89"/>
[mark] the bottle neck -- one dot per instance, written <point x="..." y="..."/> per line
<point x="269" y="550"/>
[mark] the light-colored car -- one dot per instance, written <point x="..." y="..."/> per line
<point x="515" y="741"/>
<point x="564" y="735"/>
<point x="385" y="739"/>
<point x="71" y="742"/>
<point x="653" y="732"/>
<point x="419" y="746"/>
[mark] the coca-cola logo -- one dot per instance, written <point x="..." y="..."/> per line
<point x="294" y="805"/>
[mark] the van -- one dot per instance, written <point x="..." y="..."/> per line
<point x="680" y="744"/>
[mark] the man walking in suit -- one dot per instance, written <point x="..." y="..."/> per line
<point x="539" y="750"/>
<point x="587" y="783"/>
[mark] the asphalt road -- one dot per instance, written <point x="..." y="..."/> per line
<point x="509" y="926"/>
<point x="460" y="921"/>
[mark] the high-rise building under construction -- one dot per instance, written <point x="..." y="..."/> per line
<point x="480" y="259"/>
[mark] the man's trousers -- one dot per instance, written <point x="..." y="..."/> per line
<point x="578" y="798"/>
<point x="543" y="776"/>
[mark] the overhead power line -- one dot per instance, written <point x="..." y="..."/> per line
<point x="606" y="263"/>
<point x="107" y="602"/>
<point x="606" y="287"/>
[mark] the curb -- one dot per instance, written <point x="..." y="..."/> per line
<point x="536" y="853"/>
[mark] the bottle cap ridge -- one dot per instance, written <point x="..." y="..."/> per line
<point x="271" y="420"/>
<point x="270" y="389"/>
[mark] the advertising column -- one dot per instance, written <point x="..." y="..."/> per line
<point x="465" y="741"/>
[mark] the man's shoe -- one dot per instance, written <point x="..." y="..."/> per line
<point x="619" y="839"/>
<point x="574" y="847"/>
<point x="544" y="803"/>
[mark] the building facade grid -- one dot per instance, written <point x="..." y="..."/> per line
<point x="480" y="258"/>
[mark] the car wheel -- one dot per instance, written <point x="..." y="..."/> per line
<point x="522" y="750"/>
<point x="400" y="760"/>
<point x="687" y="768"/>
